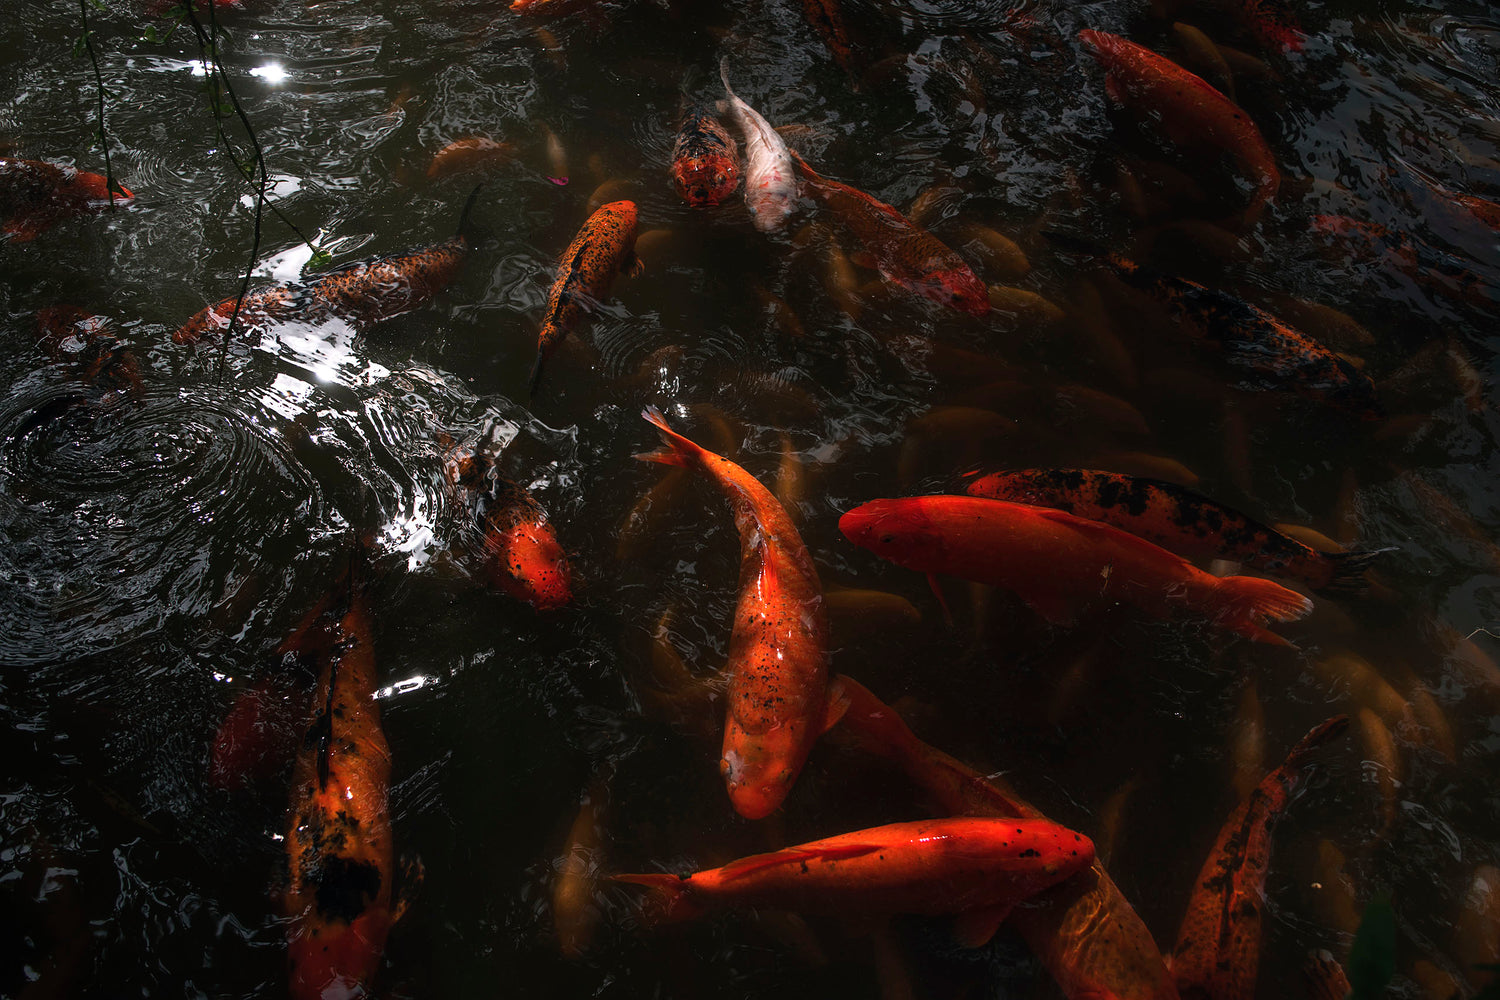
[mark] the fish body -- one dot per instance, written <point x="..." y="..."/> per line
<point x="770" y="178"/>
<point x="602" y="248"/>
<point x="1177" y="519"/>
<point x="1218" y="945"/>
<point x="67" y="333"/>
<point x="966" y="865"/>
<point x="902" y="251"/>
<point x="780" y="700"/>
<point x="338" y="840"/>
<point x="1060" y="564"/>
<point x="1084" y="930"/>
<point x="255" y="742"/>
<point x="36" y="195"/>
<point x="705" y="160"/>
<point x="827" y="19"/>
<point x="1186" y="110"/>
<point x="523" y="557"/>
<point x="1268" y="353"/>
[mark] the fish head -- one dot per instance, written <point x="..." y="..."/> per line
<point x="705" y="181"/>
<point x="760" y="768"/>
<point x="95" y="187"/>
<point x="527" y="562"/>
<point x="897" y="530"/>
<point x="960" y="288"/>
<point x="624" y="213"/>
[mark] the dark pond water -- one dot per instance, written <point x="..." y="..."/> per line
<point x="155" y="553"/>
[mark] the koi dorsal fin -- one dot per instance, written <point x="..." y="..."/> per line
<point x="793" y="855"/>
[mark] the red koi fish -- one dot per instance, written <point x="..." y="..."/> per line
<point x="36" y="195"/>
<point x="1084" y="930"/>
<point x="827" y="19"/>
<point x="976" y="868"/>
<point x="1060" y="564"/>
<point x="1272" y="24"/>
<point x="363" y="292"/>
<point x="257" y="738"/>
<point x="780" y="700"/>
<point x="522" y="555"/>
<point x="1218" y="946"/>
<point x="338" y="840"/>
<point x="603" y="247"/>
<point x="1186" y="110"/>
<point x="902" y="251"/>
<point x="1178" y="520"/>
<point x="1268" y="353"/>
<point x="67" y="333"/>
<point x="705" y="160"/>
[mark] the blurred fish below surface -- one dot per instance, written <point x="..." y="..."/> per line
<point x="1175" y="321"/>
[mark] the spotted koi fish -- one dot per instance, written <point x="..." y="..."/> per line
<point x="36" y="195"/>
<point x="338" y="840"/>
<point x="1218" y="945"/>
<point x="1418" y="261"/>
<point x="978" y="868"/>
<point x="827" y="19"/>
<point x="363" y="293"/>
<point x="1084" y="930"/>
<point x="1178" y="520"/>
<point x="705" y="160"/>
<point x="780" y="700"/>
<point x="522" y="555"/>
<point x="67" y="333"/>
<point x="603" y="247"/>
<point x="1061" y="565"/>
<point x="1186" y="110"/>
<point x="1267" y="353"/>
<point x="901" y="250"/>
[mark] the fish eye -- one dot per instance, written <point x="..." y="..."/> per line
<point x="887" y="539"/>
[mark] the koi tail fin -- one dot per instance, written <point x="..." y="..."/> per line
<point x="677" y="449"/>
<point x="668" y="900"/>
<point x="1244" y="603"/>
<point x="1348" y="571"/>
<point x="724" y="75"/>
<point x="465" y="229"/>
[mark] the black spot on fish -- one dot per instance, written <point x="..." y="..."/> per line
<point x="346" y="887"/>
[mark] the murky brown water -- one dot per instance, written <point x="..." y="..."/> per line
<point x="155" y="554"/>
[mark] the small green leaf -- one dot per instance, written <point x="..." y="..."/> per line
<point x="1372" y="958"/>
<point x="81" y="44"/>
<point x="320" y="258"/>
<point x="150" y="34"/>
<point x="100" y="5"/>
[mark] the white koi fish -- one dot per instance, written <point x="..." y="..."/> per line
<point x="770" y="181"/>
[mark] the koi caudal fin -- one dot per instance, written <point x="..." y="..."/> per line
<point x="678" y="450"/>
<point x="1244" y="603"/>
<point x="668" y="901"/>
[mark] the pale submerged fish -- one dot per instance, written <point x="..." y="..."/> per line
<point x="770" y="181"/>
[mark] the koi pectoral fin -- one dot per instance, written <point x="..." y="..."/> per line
<point x="974" y="928"/>
<point x="937" y="591"/>
<point x="632" y="265"/>
<point x="836" y="705"/>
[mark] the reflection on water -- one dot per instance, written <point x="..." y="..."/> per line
<point x="159" y="546"/>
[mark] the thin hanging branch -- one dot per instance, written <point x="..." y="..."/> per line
<point x="110" y="186"/>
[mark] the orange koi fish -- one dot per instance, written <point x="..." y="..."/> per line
<point x="1186" y="110"/>
<point x="978" y="868"/>
<point x="363" y="292"/>
<point x="338" y="839"/>
<point x="1268" y="353"/>
<point x="36" y="195"/>
<point x="67" y="333"/>
<point x="1084" y="930"/>
<point x="1218" y="946"/>
<point x="780" y="700"/>
<point x="1060" y="564"/>
<point x="522" y="555"/>
<point x="901" y="250"/>
<point x="603" y="247"/>
<point x="1178" y="520"/>
<point x="705" y="160"/>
